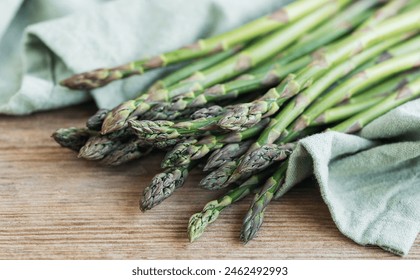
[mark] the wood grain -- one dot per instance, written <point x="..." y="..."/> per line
<point x="55" y="206"/>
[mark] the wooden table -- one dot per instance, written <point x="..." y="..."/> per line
<point x="56" y="206"/>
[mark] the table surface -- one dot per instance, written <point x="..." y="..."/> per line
<point x="56" y="206"/>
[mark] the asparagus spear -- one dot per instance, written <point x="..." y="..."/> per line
<point x="382" y="89"/>
<point x="405" y="94"/>
<point x="263" y="157"/>
<point x="193" y="149"/>
<point x="282" y="120"/>
<point x="216" y="179"/>
<point x="250" y="113"/>
<point x="254" y="218"/>
<point x="365" y="100"/>
<point x="389" y="10"/>
<point x="346" y="111"/>
<point x="230" y="90"/>
<point x="163" y="185"/>
<point x="224" y="41"/>
<point x="211" y="211"/>
<point x="154" y="131"/>
<point x="234" y="66"/>
<point x="131" y="150"/>
<point x="357" y="83"/>
<point x="98" y="147"/>
<point x="95" y="121"/>
<point x="342" y="23"/>
<point x="190" y="69"/>
<point x="274" y="185"/>
<point x="226" y="154"/>
<point x="272" y="73"/>
<point x="72" y="137"/>
<point x="208" y="112"/>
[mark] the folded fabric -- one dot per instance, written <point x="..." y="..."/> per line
<point x="98" y="36"/>
<point x="372" y="188"/>
<point x="370" y="182"/>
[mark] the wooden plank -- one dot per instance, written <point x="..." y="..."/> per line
<point x="55" y="206"/>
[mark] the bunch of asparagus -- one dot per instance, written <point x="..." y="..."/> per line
<point x="246" y="97"/>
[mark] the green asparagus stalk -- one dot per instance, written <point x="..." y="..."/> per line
<point x="295" y="58"/>
<point x="72" y="137"/>
<point x="389" y="10"/>
<point x="193" y="149"/>
<point x="95" y="121"/>
<point x="98" y="147"/>
<point x="226" y="154"/>
<point x="208" y="112"/>
<point x="342" y="23"/>
<point x="274" y="185"/>
<point x="364" y="100"/>
<point x="346" y="111"/>
<point x="356" y="84"/>
<point x="211" y="211"/>
<point x="154" y="131"/>
<point x="254" y="218"/>
<point x="224" y="41"/>
<point x="405" y="94"/>
<point x="163" y="111"/>
<point x="269" y="154"/>
<point x="190" y="69"/>
<point x="216" y="179"/>
<point x="163" y="185"/>
<point x="382" y="89"/>
<point x="234" y="66"/>
<point x="262" y="158"/>
<point x="229" y="90"/>
<point x="130" y="151"/>
<point x="406" y="22"/>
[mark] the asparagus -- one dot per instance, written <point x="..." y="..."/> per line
<point x="263" y="157"/>
<point x="403" y="95"/>
<point x="211" y="211"/>
<point x="129" y="151"/>
<point x="334" y="54"/>
<point x="193" y="149"/>
<point x="293" y="59"/>
<point x="234" y="66"/>
<point x="95" y="121"/>
<point x="163" y="111"/>
<point x="365" y="100"/>
<point x="208" y="112"/>
<point x="254" y="218"/>
<point x="216" y="179"/>
<point x="295" y="107"/>
<point x="190" y="69"/>
<point x="271" y="73"/>
<point x="224" y="41"/>
<point x="389" y="10"/>
<point x="230" y="90"/>
<point x="163" y="185"/>
<point x="98" y="147"/>
<point x="342" y="23"/>
<point x="274" y="185"/>
<point x="346" y="111"/>
<point x="72" y="137"/>
<point x="154" y="131"/>
<point x="226" y="154"/>
<point x="382" y="89"/>
<point x="357" y="83"/>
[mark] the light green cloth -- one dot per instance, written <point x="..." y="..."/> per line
<point x="100" y="35"/>
<point x="371" y="188"/>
